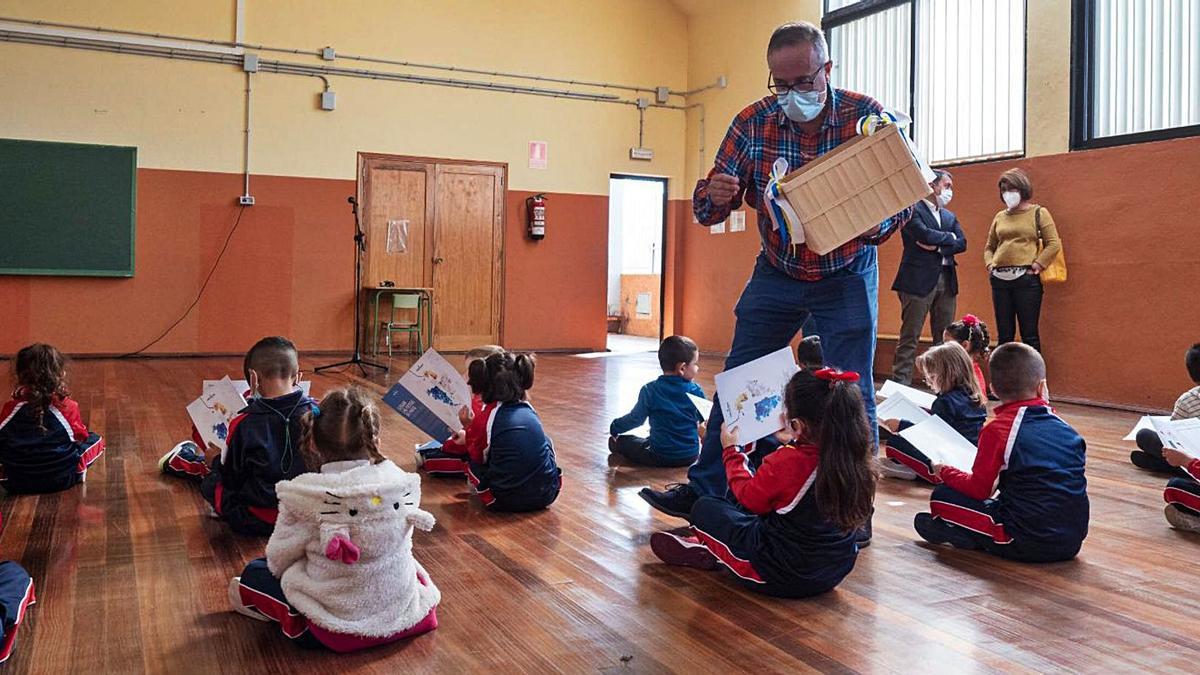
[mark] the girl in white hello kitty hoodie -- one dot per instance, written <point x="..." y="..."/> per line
<point x="339" y="571"/>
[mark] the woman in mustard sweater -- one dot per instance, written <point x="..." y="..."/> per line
<point x="1021" y="243"/>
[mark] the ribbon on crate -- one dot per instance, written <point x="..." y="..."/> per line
<point x="783" y="216"/>
<point x="868" y="125"/>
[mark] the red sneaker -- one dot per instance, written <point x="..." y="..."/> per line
<point x="685" y="551"/>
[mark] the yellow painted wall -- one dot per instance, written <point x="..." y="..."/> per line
<point x="731" y="39"/>
<point x="184" y="115"/>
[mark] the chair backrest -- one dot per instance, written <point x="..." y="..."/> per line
<point x="406" y="301"/>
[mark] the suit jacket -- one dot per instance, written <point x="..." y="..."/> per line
<point x="919" y="268"/>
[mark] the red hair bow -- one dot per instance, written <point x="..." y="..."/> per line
<point x="832" y="375"/>
<point x="970" y="320"/>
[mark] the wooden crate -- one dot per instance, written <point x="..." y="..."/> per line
<point x="858" y="185"/>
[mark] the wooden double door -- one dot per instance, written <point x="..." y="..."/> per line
<point x="438" y="224"/>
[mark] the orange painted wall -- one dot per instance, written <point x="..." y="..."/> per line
<point x="289" y="270"/>
<point x="633" y="285"/>
<point x="1116" y="332"/>
<point x="555" y="293"/>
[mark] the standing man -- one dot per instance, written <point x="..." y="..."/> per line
<point x="834" y="296"/>
<point x="927" y="281"/>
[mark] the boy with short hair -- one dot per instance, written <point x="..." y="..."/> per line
<point x="809" y="355"/>
<point x="1149" y="454"/>
<point x="1025" y="498"/>
<point x="675" y="422"/>
<point x="263" y="445"/>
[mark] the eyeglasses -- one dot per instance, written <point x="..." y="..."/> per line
<point x="803" y="84"/>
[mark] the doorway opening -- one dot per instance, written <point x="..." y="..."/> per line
<point x="637" y="224"/>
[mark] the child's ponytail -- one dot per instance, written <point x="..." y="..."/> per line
<point x="507" y="377"/>
<point x="974" y="332"/>
<point x="829" y="402"/>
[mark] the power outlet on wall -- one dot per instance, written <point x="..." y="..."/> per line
<point x="246" y="200"/>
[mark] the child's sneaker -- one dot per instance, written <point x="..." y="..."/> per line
<point x="1182" y="520"/>
<point x="685" y="551"/>
<point x="235" y="601"/>
<point x="894" y="469"/>
<point x="186" y="460"/>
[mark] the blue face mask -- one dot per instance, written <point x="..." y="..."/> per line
<point x="801" y="106"/>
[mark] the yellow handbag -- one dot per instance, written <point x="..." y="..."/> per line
<point x="1057" y="271"/>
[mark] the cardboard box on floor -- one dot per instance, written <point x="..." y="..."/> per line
<point x="853" y="188"/>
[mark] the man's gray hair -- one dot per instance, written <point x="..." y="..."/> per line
<point x="798" y="33"/>
<point x="940" y="174"/>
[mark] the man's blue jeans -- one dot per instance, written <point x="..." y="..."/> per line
<point x="843" y="309"/>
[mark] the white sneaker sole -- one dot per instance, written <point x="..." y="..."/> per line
<point x="162" y="462"/>
<point x="1180" y="520"/>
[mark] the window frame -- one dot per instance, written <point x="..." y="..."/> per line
<point x="865" y="8"/>
<point x="1083" y="90"/>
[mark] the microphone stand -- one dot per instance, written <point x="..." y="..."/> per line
<point x="360" y="239"/>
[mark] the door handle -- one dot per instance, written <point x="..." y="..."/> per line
<point x="438" y="260"/>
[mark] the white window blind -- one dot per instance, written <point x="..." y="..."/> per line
<point x="1145" y="65"/>
<point x="968" y="79"/>
<point x="872" y="55"/>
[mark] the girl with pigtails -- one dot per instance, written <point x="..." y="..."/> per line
<point x="512" y="465"/>
<point x="339" y="572"/>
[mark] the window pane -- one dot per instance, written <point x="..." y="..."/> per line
<point x="1146" y="66"/>
<point x="831" y="5"/>
<point x="872" y="55"/>
<point x="970" y="79"/>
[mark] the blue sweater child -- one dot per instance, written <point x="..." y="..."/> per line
<point x="674" y="419"/>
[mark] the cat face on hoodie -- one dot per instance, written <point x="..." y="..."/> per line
<point x="375" y="503"/>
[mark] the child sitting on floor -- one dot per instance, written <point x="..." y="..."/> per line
<point x="972" y="334"/>
<point x="512" y="460"/>
<point x="1033" y="458"/>
<point x="674" y="420"/>
<point x="960" y="402"/>
<point x="809" y="354"/>
<point x="793" y="534"/>
<point x="1149" y="454"/>
<point x="339" y="571"/>
<point x="450" y="458"/>
<point x="239" y="483"/>
<point x="1183" y="494"/>
<point x="44" y="445"/>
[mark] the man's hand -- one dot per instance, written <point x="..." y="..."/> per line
<point x="728" y="436"/>
<point x="722" y="187"/>
<point x="1175" y="457"/>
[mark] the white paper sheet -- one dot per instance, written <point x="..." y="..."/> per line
<point x="214" y="409"/>
<point x="752" y="394"/>
<point x="923" y="399"/>
<point x="1181" y="435"/>
<point x="703" y="405"/>
<point x="1147" y="422"/>
<point x="941" y="443"/>
<point x="899" y="407"/>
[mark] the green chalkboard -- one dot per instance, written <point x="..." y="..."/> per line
<point x="66" y="208"/>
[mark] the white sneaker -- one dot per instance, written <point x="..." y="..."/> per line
<point x="235" y="601"/>
<point x="1181" y="520"/>
<point x="893" y="469"/>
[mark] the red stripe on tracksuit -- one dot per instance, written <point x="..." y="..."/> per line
<point x="11" y="639"/>
<point x="444" y="465"/>
<point x="740" y="567"/>
<point x="915" y="464"/>
<point x="191" y="468"/>
<point x="291" y="623"/>
<point x="1173" y="495"/>
<point x="976" y="521"/>
<point x="90" y="455"/>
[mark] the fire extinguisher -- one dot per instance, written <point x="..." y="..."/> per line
<point x="536" y="205"/>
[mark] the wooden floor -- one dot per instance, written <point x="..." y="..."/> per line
<point x="132" y="577"/>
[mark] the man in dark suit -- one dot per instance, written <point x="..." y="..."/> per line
<point x="926" y="281"/>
